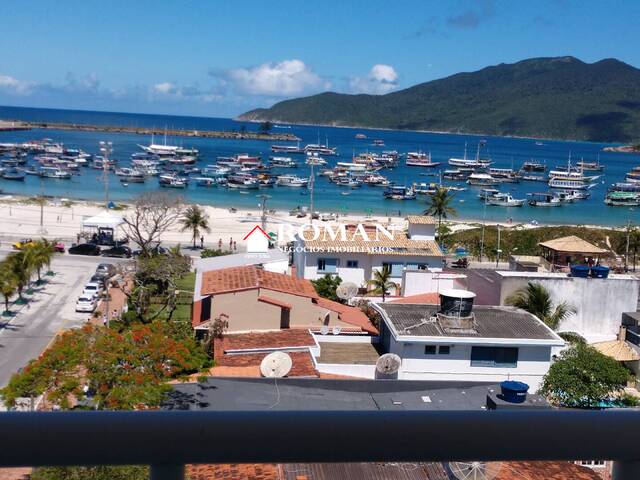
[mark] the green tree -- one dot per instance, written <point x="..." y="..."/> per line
<point x="42" y="253"/>
<point x="583" y="377"/>
<point x="21" y="266"/>
<point x="102" y="472"/>
<point x="535" y="299"/>
<point x="326" y="286"/>
<point x="195" y="219"/>
<point x="440" y="206"/>
<point x="8" y="285"/>
<point x="381" y="282"/>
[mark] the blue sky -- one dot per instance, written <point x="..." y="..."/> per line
<point x="220" y="58"/>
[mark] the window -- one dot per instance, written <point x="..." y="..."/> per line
<point x="395" y="268"/>
<point x="429" y="349"/>
<point x="327" y="265"/>
<point x="352" y="263"/>
<point x="501" y="357"/>
<point x="592" y="463"/>
<point x="444" y="350"/>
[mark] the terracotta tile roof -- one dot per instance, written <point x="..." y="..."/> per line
<point x="234" y="471"/>
<point x="422" y="219"/>
<point x="21" y="473"/>
<point x="302" y="362"/>
<point x="399" y="244"/>
<point x="348" y="314"/>
<point x="250" y="277"/>
<point x="545" y="471"/>
<point x="431" y="298"/>
<point x="274" y="301"/>
<point x="295" y="337"/>
<point x="572" y="244"/>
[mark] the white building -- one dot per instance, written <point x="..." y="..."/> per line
<point x="361" y="250"/>
<point x="487" y="344"/>
<point x="598" y="302"/>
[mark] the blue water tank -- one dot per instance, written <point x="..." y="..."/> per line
<point x="581" y="271"/>
<point x="599" y="271"/>
<point x="513" y="391"/>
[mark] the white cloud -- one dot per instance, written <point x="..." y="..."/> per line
<point x="380" y="79"/>
<point x="282" y="79"/>
<point x="13" y="85"/>
<point x="164" y="88"/>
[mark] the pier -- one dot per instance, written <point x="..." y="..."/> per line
<point x="7" y="125"/>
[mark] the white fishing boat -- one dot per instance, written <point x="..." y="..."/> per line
<point x="54" y="172"/>
<point x="504" y="175"/>
<point x="425" y="188"/>
<point x="469" y="163"/>
<point x="319" y="149"/>
<point x="481" y="179"/>
<point x="291" y="181"/>
<point x="488" y="192"/>
<point x="173" y="181"/>
<point x="282" y="162"/>
<point x="287" y="149"/>
<point x="314" y="159"/>
<point x="504" y="200"/>
<point x="399" y="192"/>
<point x="622" y="199"/>
<point x="544" y="199"/>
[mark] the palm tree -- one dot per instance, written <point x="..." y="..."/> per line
<point x="41" y="255"/>
<point x="195" y="219"/>
<point x="381" y="282"/>
<point x="439" y="205"/>
<point x="535" y="299"/>
<point x="21" y="268"/>
<point x="8" y="285"/>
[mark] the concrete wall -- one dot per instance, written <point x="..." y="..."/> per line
<point x="533" y="363"/>
<point x="599" y="302"/>
<point x="415" y="282"/>
<point x="422" y="232"/>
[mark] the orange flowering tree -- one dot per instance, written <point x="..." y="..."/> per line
<point x="108" y="369"/>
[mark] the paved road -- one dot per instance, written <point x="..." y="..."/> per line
<point x="51" y="309"/>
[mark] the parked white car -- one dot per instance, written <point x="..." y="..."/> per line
<point x="86" y="303"/>
<point x="93" y="289"/>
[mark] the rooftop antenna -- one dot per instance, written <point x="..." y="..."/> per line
<point x="387" y="366"/>
<point x="276" y="365"/>
<point x="347" y="290"/>
<point x="475" y="470"/>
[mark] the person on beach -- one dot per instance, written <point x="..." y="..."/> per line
<point x="235" y="245"/>
<point x="202" y="242"/>
<point x="220" y="244"/>
<point x="231" y="243"/>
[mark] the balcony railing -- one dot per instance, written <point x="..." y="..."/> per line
<point x="169" y="440"/>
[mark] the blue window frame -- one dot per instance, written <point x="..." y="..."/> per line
<point x="498" y="357"/>
<point x="328" y="265"/>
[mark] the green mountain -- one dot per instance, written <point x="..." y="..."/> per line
<point x="560" y="97"/>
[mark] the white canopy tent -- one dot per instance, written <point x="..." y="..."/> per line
<point x="103" y="220"/>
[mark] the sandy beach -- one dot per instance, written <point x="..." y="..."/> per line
<point x="62" y="220"/>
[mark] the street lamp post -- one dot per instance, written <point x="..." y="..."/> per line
<point x="106" y="148"/>
<point x="498" y="249"/>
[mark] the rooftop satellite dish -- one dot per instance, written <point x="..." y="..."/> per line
<point x="275" y="365"/>
<point x="324" y="329"/>
<point x="347" y="290"/>
<point x="475" y="470"/>
<point x="387" y="366"/>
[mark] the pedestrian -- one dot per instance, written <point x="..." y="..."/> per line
<point x="235" y="245"/>
<point x="77" y="238"/>
<point x="202" y="242"/>
<point x="231" y="243"/>
<point x="104" y="319"/>
<point x="220" y="244"/>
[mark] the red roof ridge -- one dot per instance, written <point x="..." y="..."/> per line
<point x="257" y="227"/>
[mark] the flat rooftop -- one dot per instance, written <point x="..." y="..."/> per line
<point x="348" y="353"/>
<point x="241" y="394"/>
<point x="560" y="275"/>
<point x="491" y="322"/>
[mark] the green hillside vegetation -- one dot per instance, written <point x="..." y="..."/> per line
<point x="559" y="97"/>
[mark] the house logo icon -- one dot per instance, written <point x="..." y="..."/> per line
<point x="257" y="240"/>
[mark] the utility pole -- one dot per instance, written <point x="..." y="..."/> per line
<point x="626" y="251"/>
<point x="484" y="221"/>
<point x="263" y="217"/>
<point x="106" y="148"/>
<point x="311" y="182"/>
<point x="498" y="249"/>
<point x="42" y="230"/>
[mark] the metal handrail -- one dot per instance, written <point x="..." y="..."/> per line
<point x="167" y="440"/>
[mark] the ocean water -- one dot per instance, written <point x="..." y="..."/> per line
<point x="505" y="152"/>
